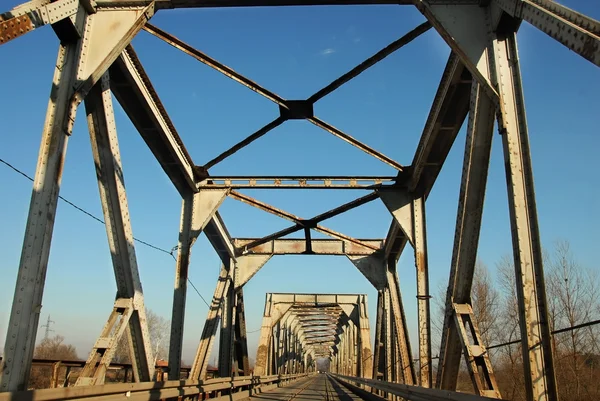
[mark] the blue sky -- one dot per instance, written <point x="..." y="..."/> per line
<point x="293" y="52"/>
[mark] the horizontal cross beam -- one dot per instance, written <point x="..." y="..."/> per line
<point x="298" y="182"/>
<point x="318" y="246"/>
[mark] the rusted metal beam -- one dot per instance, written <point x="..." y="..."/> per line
<point x="310" y="223"/>
<point x="168" y="4"/>
<point x="574" y="30"/>
<point x="298" y="182"/>
<point x="448" y="112"/>
<point x="133" y="89"/>
<point x="209" y="61"/>
<point x="34" y="14"/>
<point x="468" y="224"/>
<point x="355" y="142"/>
<point x="261" y="132"/>
<point x="265" y="207"/>
<point x="371" y="61"/>
<point x="318" y="246"/>
<point x="302" y="223"/>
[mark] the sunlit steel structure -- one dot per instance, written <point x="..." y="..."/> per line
<point x="481" y="80"/>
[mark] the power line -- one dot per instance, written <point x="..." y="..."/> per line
<point x="47" y="326"/>
<point x="102" y="221"/>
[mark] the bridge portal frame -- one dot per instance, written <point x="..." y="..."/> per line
<point x="482" y="80"/>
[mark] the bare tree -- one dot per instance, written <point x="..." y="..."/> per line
<point x="509" y="363"/>
<point x="574" y="299"/>
<point x="159" y="329"/>
<point x="53" y="349"/>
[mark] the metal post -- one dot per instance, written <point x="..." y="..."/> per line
<point x="365" y="354"/>
<point x="29" y="288"/>
<point x="531" y="292"/>
<point x="420" y="245"/>
<point x="196" y="211"/>
<point x="241" y="351"/>
<point x="111" y="185"/>
<point x="405" y="368"/>
<point x="377" y="356"/>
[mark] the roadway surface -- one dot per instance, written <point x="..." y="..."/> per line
<point x="318" y="387"/>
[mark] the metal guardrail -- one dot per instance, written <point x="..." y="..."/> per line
<point x="412" y="393"/>
<point x="233" y="387"/>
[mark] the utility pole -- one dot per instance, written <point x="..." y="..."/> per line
<point x="47" y="326"/>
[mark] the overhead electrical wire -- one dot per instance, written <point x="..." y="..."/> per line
<point x="102" y="221"/>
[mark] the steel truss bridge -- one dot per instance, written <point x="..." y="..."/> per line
<point x="481" y="80"/>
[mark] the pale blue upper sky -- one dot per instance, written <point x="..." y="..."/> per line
<point x="293" y="52"/>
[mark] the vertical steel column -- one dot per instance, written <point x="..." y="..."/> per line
<point x="29" y="288"/>
<point x="468" y="224"/>
<point x="111" y="185"/>
<point x="389" y="354"/>
<point x="241" y="350"/>
<point x="186" y="240"/>
<point x="420" y="245"/>
<point x="366" y="356"/>
<point x="196" y="211"/>
<point x="355" y="353"/>
<point x="227" y="331"/>
<point x="409" y="212"/>
<point x="531" y="292"/>
<point x="378" y="357"/>
<point x="271" y="357"/>
<point x="406" y="369"/>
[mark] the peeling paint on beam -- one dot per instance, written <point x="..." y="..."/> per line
<point x="319" y="247"/>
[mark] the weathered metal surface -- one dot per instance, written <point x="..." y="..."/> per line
<point x="416" y="393"/>
<point x="285" y="246"/>
<point x="356" y="143"/>
<point x="372" y="266"/>
<point x="371" y="61"/>
<point x="478" y="362"/>
<point x="576" y="31"/>
<point x="227" y="331"/>
<point x="468" y="224"/>
<point x="209" y="61"/>
<point x="304" y="223"/>
<point x="167" y="4"/>
<point x="297" y="182"/>
<point x="403" y="365"/>
<point x="540" y="380"/>
<point x="29" y="288"/>
<point x="111" y="185"/>
<point x="93" y="34"/>
<point x="196" y="212"/>
<point x="211" y="325"/>
<point x="244" y="387"/>
<point x="247" y="266"/>
<point x="132" y="88"/>
<point x="15" y="27"/>
<point x="34" y="14"/>
<point x="423" y="297"/>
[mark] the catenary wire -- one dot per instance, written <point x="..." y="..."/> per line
<point x="102" y="221"/>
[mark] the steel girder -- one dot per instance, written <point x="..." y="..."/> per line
<point x="481" y="79"/>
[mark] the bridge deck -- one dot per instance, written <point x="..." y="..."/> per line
<point x="313" y="388"/>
